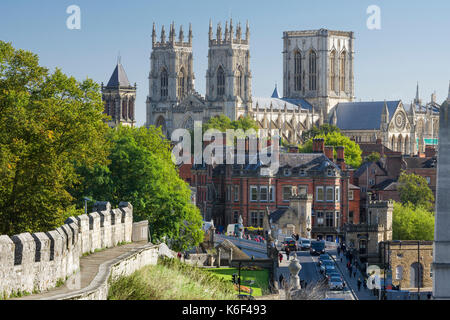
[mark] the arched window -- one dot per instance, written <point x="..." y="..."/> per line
<point x="333" y="71"/>
<point x="298" y="70"/>
<point x="342" y="63"/>
<point x="312" y="71"/>
<point x="400" y="144"/>
<point x="131" y="109"/>
<point x="239" y="82"/>
<point x="181" y="84"/>
<point x="161" y="122"/>
<point x="399" y="273"/>
<point x="407" y="146"/>
<point x="220" y="82"/>
<point x="164" y="83"/>
<point x="124" y="108"/>
<point x="393" y="143"/>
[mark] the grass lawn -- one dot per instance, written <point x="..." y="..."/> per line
<point x="261" y="278"/>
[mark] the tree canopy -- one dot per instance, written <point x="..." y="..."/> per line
<point x="141" y="171"/>
<point x="322" y="130"/>
<point x="222" y="123"/>
<point x="414" y="189"/>
<point x="50" y="123"/>
<point x="412" y="223"/>
<point x="373" y="157"/>
<point x="334" y="138"/>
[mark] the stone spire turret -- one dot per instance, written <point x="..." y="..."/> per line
<point x="172" y="33"/>
<point x="238" y="32"/>
<point x="190" y="34"/>
<point x="247" y="32"/>
<point x="227" y="34"/>
<point x="181" y="34"/>
<point x="417" y="99"/>
<point x="210" y="30"/>
<point x="154" y="35"/>
<point x="219" y="32"/>
<point x="163" y="35"/>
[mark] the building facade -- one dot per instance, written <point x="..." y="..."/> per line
<point x="226" y="192"/>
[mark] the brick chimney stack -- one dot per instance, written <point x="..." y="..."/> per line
<point x="318" y="145"/>
<point x="340" y="159"/>
<point x="329" y="152"/>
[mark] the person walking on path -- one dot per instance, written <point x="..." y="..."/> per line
<point x="359" y="284"/>
<point x="287" y="253"/>
<point x="280" y="256"/>
<point x="338" y="251"/>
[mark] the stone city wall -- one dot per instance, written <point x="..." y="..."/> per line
<point x="31" y="263"/>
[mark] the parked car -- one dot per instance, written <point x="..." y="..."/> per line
<point x="335" y="283"/>
<point x="324" y="257"/>
<point x="317" y="248"/>
<point x="330" y="268"/>
<point x="305" y="244"/>
<point x="325" y="264"/>
<point x="333" y="274"/>
<point x="289" y="242"/>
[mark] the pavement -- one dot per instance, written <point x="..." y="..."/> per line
<point x="89" y="267"/>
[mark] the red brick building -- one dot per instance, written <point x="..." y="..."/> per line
<point x="225" y="192"/>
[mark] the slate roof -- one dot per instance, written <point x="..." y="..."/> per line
<point x="278" y="103"/>
<point x="119" y="77"/>
<point x="414" y="163"/>
<point x="387" y="185"/>
<point x="434" y="107"/>
<point x="277" y="214"/>
<point x="307" y="161"/>
<point x="363" y="115"/>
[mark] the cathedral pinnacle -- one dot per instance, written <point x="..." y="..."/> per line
<point x="154" y="34"/>
<point x="190" y="34"/>
<point x="163" y="35"/>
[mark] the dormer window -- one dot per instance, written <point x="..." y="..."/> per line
<point x="330" y="173"/>
<point x="302" y="172"/>
<point x="287" y="172"/>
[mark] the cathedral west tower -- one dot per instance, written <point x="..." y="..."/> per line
<point x="228" y="78"/>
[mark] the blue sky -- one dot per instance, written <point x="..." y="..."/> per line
<point x="412" y="45"/>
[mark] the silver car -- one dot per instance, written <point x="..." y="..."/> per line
<point x="335" y="283"/>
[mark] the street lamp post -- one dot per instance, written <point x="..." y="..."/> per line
<point x="86" y="199"/>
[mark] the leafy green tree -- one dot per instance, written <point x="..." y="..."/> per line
<point x="373" y="157"/>
<point x="412" y="223"/>
<point x="414" y="189"/>
<point x="316" y="131"/>
<point x="49" y="124"/>
<point x="141" y="171"/>
<point x="222" y="123"/>
<point x="352" y="150"/>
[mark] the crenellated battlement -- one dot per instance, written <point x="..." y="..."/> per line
<point x="229" y="36"/>
<point x="37" y="262"/>
<point x="173" y="40"/>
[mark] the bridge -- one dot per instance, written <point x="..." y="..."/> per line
<point x="245" y="245"/>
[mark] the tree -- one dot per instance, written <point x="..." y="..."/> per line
<point x="373" y="157"/>
<point x="222" y="123"/>
<point x="352" y="150"/>
<point x="414" y="189"/>
<point x="49" y="124"/>
<point x="322" y="130"/>
<point x="141" y="171"/>
<point x="412" y="223"/>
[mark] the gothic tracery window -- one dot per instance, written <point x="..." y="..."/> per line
<point x="220" y="82"/>
<point x="342" y="62"/>
<point x="333" y="71"/>
<point x="298" y="70"/>
<point x="312" y="71"/>
<point x="239" y="82"/>
<point x="181" y="84"/>
<point x="164" y="83"/>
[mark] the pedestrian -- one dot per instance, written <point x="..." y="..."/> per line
<point x="341" y="258"/>
<point x="287" y="253"/>
<point x="281" y="280"/>
<point x="338" y="251"/>
<point x="280" y="256"/>
<point x="179" y="255"/>
<point x="359" y="284"/>
<point x="354" y="273"/>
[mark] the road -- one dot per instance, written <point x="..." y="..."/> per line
<point x="310" y="273"/>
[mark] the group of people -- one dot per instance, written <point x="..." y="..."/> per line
<point x="352" y="268"/>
